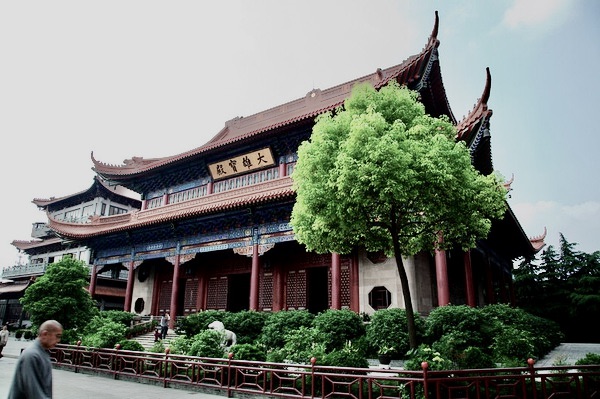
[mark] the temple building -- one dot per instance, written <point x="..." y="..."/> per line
<point x="213" y="230"/>
<point x="46" y="247"/>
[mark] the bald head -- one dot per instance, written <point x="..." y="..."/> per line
<point x="50" y="333"/>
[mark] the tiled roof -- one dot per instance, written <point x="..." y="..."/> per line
<point x="259" y="193"/>
<point x="25" y="245"/>
<point x="314" y="103"/>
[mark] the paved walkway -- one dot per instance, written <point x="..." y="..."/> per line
<point x="71" y="385"/>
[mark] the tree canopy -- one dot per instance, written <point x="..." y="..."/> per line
<point x="381" y="173"/>
<point x="60" y="295"/>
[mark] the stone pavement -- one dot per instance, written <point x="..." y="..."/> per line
<point x="70" y="385"/>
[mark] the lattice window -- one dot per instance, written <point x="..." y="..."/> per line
<point x="266" y="292"/>
<point x="296" y="290"/>
<point x="217" y="294"/>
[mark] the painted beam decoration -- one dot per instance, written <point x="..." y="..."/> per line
<point x="241" y="164"/>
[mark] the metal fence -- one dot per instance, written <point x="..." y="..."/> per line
<point x="238" y="378"/>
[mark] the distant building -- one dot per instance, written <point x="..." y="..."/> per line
<point x="214" y="232"/>
<point x="47" y="248"/>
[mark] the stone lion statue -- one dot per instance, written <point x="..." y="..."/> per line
<point x="229" y="337"/>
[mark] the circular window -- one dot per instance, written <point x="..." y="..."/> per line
<point x="139" y="305"/>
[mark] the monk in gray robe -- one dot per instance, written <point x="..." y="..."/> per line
<point x="33" y="372"/>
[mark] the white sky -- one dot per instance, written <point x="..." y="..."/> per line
<point x="153" y="78"/>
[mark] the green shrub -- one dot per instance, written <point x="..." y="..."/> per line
<point x="300" y="346"/>
<point x="389" y="329"/>
<point x="249" y="352"/>
<point x="339" y="327"/>
<point x="158" y="347"/>
<point x="131" y="345"/>
<point x="107" y="334"/>
<point x="207" y="344"/>
<point x="589" y="358"/>
<point x="349" y="356"/>
<point x="118" y="316"/>
<point x="27" y="334"/>
<point x="193" y="324"/>
<point x="180" y="345"/>
<point x="19" y="334"/>
<point x="512" y="344"/>
<point x="451" y="318"/>
<point x="247" y="325"/>
<point x="278" y="324"/>
<point x="424" y="353"/>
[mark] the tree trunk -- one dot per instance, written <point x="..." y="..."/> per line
<point x="410" y="315"/>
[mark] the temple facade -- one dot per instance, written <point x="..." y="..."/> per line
<point x="213" y="229"/>
<point x="45" y="247"/>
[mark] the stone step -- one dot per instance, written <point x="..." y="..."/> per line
<point x="147" y="340"/>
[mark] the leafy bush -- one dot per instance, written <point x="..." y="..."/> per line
<point x="180" y="345"/>
<point x="249" y="352"/>
<point x="389" y="329"/>
<point x="193" y="324"/>
<point x="424" y="353"/>
<point x="339" y="327"/>
<point x="456" y="347"/>
<point x="207" y="344"/>
<point x="107" y="334"/>
<point x="349" y="356"/>
<point x="278" y="324"/>
<point x="589" y="358"/>
<point x="544" y="334"/>
<point x="513" y="344"/>
<point x="158" y="347"/>
<point x="462" y="318"/>
<point x="300" y="346"/>
<point x="247" y="325"/>
<point x="27" y="334"/>
<point x="131" y="345"/>
<point x="19" y="334"/>
<point x="118" y="316"/>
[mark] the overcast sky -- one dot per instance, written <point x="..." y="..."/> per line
<point x="156" y="78"/>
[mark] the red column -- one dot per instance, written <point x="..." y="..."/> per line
<point x="254" y="279"/>
<point x="209" y="188"/>
<point x="201" y="300"/>
<point x="354" y="284"/>
<point x="277" y="288"/>
<point x="282" y="169"/>
<point x="144" y="204"/>
<point x="174" y="293"/>
<point x="93" y="280"/>
<point x="336" y="281"/>
<point x="469" y="287"/>
<point x="441" y="273"/>
<point x="129" y="289"/>
<point x="165" y="199"/>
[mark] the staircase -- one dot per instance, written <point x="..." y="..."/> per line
<point x="147" y="340"/>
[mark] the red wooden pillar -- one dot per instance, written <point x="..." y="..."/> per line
<point x="165" y="199"/>
<point x="254" y="279"/>
<point x="277" y="288"/>
<point x="354" y="284"/>
<point x="144" y="204"/>
<point x="469" y="287"/>
<point x="201" y="300"/>
<point x="129" y="289"/>
<point x="282" y="169"/>
<point x="93" y="278"/>
<point x="209" y="187"/>
<point x="441" y="273"/>
<point x="173" y="311"/>
<point x="336" y="281"/>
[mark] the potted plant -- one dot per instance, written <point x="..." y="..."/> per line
<point x="384" y="355"/>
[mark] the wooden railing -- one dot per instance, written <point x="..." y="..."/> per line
<point x="231" y="378"/>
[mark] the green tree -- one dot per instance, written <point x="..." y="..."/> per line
<point x="60" y="295"/>
<point x="563" y="285"/>
<point x="381" y="173"/>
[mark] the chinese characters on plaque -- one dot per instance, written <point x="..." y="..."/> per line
<point x="241" y="164"/>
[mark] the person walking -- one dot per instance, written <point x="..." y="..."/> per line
<point x="33" y="371"/>
<point x="164" y="324"/>
<point x="3" y="338"/>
